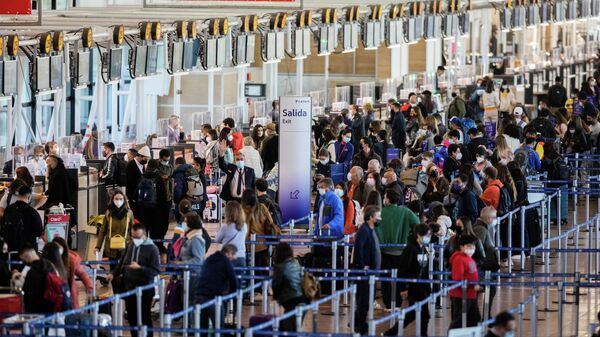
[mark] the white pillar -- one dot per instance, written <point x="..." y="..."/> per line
<point x="177" y="95"/>
<point x="299" y="76"/>
<point x="326" y="79"/>
<point x="242" y="73"/>
<point x="404" y="54"/>
<point x="211" y="96"/>
<point x="396" y="63"/>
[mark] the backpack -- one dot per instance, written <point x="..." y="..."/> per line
<point x="561" y="170"/>
<point x="147" y="192"/>
<point x="275" y="211"/>
<point x="522" y="158"/>
<point x="310" y="286"/>
<point x="13" y="227"/>
<point x="58" y="292"/>
<point x="174" y="296"/>
<point x="467" y="124"/>
<point x="504" y="205"/>
<point x="120" y="175"/>
<point x="194" y="187"/>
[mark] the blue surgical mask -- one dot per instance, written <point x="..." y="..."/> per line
<point x="509" y="334"/>
<point x="240" y="164"/>
<point x="230" y="138"/>
<point x="321" y="191"/>
<point x="347" y="139"/>
<point x="339" y="192"/>
<point x="426" y="240"/>
<point x="184" y="226"/>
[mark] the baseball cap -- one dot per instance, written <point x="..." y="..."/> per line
<point x="518" y="111"/>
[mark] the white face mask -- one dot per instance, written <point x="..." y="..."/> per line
<point x="459" y="156"/>
<point x="383" y="181"/>
<point x="321" y="191"/>
<point x="425" y="163"/>
<point x="324" y="161"/>
<point x="165" y="162"/>
<point x="347" y="139"/>
<point x="137" y="242"/>
<point x="426" y="240"/>
<point x="339" y="192"/>
<point x="60" y="251"/>
<point x="119" y="202"/>
<point x="184" y="226"/>
<point x="470" y="251"/>
<point x="240" y="164"/>
<point x="230" y="138"/>
<point x="370" y="181"/>
<point x="349" y="176"/>
<point x="480" y="160"/>
<point x="504" y="161"/>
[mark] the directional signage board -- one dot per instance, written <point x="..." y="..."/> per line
<point x="294" y="156"/>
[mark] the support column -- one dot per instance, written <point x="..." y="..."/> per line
<point x="299" y="76"/>
<point x="326" y="79"/>
<point x="211" y="97"/>
<point x="242" y="73"/>
<point x="404" y="54"/>
<point x="177" y="95"/>
<point x="114" y="111"/>
<point x="484" y="43"/>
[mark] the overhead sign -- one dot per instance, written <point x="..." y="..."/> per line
<point x="294" y="156"/>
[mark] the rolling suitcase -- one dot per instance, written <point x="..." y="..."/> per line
<point x="260" y="319"/>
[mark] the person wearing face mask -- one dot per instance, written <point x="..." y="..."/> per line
<point x="542" y="124"/>
<point x="452" y="162"/>
<point x="588" y="89"/>
<point x="323" y="168"/>
<point x="366" y="154"/>
<point x="394" y="228"/>
<point x="357" y="187"/>
<point x="503" y="326"/>
<point x="20" y="212"/>
<point x="252" y="157"/>
<point x="357" y="125"/>
<point x="557" y="95"/>
<point x="344" y="150"/>
<point x="110" y="171"/>
<point x="484" y="231"/>
<point x="458" y="106"/>
<point x="35" y="281"/>
<point x="351" y="209"/>
<point x="463" y="226"/>
<point x="38" y="161"/>
<point x="520" y="117"/>
<point x="115" y="227"/>
<point x="330" y="210"/>
<point x="399" y="127"/>
<point x="415" y="265"/>
<point x="507" y="100"/>
<point x="137" y="267"/>
<point x="464" y="268"/>
<point x="462" y="200"/>
<point x="390" y="181"/>
<point x="235" y="137"/>
<point x="366" y="255"/>
<point x="61" y="186"/>
<point x="134" y="171"/>
<point x="456" y="137"/>
<point x="193" y="248"/>
<point x="239" y="177"/>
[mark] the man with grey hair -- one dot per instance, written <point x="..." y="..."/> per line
<point x="374" y="166"/>
<point x="484" y="231"/>
<point x="357" y="189"/>
<point x="330" y="210"/>
<point x="390" y="181"/>
<point x="252" y="156"/>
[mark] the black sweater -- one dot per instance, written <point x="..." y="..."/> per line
<point x="217" y="277"/>
<point x="34" y="286"/>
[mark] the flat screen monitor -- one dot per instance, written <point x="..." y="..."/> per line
<point x="139" y="62"/>
<point x="10" y="77"/>
<point x="152" y="60"/>
<point x="176" y="56"/>
<point x="56" y="71"/>
<point x="190" y="54"/>
<point x="255" y="90"/>
<point x="83" y="68"/>
<point x="116" y="64"/>
<point x="43" y="73"/>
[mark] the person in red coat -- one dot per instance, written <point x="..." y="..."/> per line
<point x="74" y="268"/>
<point x="237" y="140"/>
<point x="464" y="268"/>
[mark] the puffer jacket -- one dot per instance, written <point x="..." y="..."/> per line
<point x="287" y="281"/>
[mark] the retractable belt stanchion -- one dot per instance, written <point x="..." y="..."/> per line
<point x="510" y="243"/>
<point x="186" y="298"/>
<point x="252" y="264"/>
<point x="265" y="295"/>
<point x="352" y="307"/>
<point x="238" y="310"/>
<point x="561" y="295"/>
<point x="371" y="297"/>
<point x="394" y="290"/>
<point x="533" y="313"/>
<point x="486" y="296"/>
<point x="197" y="319"/>
<point x="138" y="302"/>
<point x="522" y="237"/>
<point x="464" y="305"/>
<point x="346" y="265"/>
<point x="333" y="265"/>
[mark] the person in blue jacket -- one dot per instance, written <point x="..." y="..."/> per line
<point x="344" y="150"/>
<point x="330" y="210"/>
<point x="367" y="255"/>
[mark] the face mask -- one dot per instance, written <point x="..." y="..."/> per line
<point x="518" y="117"/>
<point x="459" y="156"/>
<point x="230" y="138"/>
<point x="143" y="162"/>
<point x="184" y="226"/>
<point x="119" y="203"/>
<point x="349" y="177"/>
<point x="426" y="240"/>
<point x="60" y="251"/>
<point x="480" y="160"/>
<point x="504" y="161"/>
<point x="165" y="162"/>
<point x="571" y="131"/>
<point x="505" y="87"/>
<point x="339" y="192"/>
<point x="371" y="182"/>
<point x="457" y="187"/>
<point x="509" y="334"/>
<point x="321" y="191"/>
<point x="240" y="164"/>
<point x="383" y="181"/>
<point x="138" y="242"/>
<point x="347" y="139"/>
<point x="209" y="139"/>
<point x="425" y="163"/>
<point x="470" y="251"/>
<point x="323" y="161"/>
<point x="40" y="157"/>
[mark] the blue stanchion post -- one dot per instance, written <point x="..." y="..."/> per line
<point x="352" y="307"/>
<point x="186" y="298"/>
<point x="218" y="315"/>
<point x="252" y="264"/>
<point x="371" y="297"/>
<point x="197" y="319"/>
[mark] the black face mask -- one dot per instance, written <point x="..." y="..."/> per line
<point x="459" y="230"/>
<point x="143" y="162"/>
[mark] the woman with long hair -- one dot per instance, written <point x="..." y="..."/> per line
<point x="116" y="227"/>
<point x="258" y="135"/>
<point x="52" y="253"/>
<point x="341" y="190"/>
<point x="490" y="103"/>
<point x="72" y="263"/>
<point x="414" y="122"/>
<point x="507" y="100"/>
<point x="234" y="231"/>
<point x="329" y="140"/>
<point x="380" y="147"/>
<point x="562" y="120"/>
<point x="287" y="283"/>
<point x="193" y="250"/>
<point x="259" y="222"/>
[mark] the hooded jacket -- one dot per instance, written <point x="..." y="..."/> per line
<point x="217" y="277"/>
<point x="491" y="195"/>
<point x="333" y="214"/>
<point x="147" y="256"/>
<point x="463" y="268"/>
<point x="394" y="227"/>
<point x="287" y="281"/>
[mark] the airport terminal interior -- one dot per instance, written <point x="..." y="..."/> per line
<point x="299" y="168"/>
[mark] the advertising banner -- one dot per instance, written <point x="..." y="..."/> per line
<point x="294" y="156"/>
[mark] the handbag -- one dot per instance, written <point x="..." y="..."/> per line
<point x="117" y="241"/>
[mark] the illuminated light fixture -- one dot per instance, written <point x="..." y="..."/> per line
<point x="224" y="26"/>
<point x="245" y="27"/>
<point x="58" y="41"/>
<point x="356" y="13"/>
<point x="393" y="12"/>
<point x="253" y="23"/>
<point x="282" y="20"/>
<point x="87" y="38"/>
<point x="145" y="31"/>
<point x="1" y="45"/>
<point x="326" y="15"/>
<point x="192" y="29"/>
<point x="350" y="14"/>
<point x="156" y="31"/>
<point x="300" y="19"/>
<point x="213" y="27"/>
<point x="274" y="22"/>
<point x="181" y="29"/>
<point x="333" y="15"/>
<point x="45" y="43"/>
<point x="308" y="17"/>
<point x="12" y="45"/>
<point x="118" y="34"/>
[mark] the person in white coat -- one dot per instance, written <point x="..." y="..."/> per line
<point x="252" y="157"/>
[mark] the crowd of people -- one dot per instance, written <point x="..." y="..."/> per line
<point x="451" y="181"/>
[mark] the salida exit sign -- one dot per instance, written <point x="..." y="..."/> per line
<point x="15" y="7"/>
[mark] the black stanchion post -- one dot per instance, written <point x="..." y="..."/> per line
<point x="464" y="304"/>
